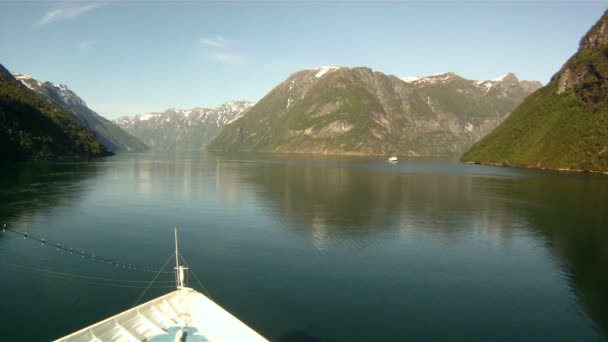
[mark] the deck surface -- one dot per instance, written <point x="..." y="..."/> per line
<point x="160" y="319"/>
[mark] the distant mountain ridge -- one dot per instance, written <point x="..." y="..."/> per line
<point x="33" y="126"/>
<point x="564" y="125"/>
<point x="486" y="85"/>
<point x="110" y="135"/>
<point x="182" y="129"/>
<point x="339" y="110"/>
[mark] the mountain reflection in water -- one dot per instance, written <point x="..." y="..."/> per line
<point x="318" y="248"/>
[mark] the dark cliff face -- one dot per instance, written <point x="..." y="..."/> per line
<point x="586" y="73"/>
<point x="564" y="125"/>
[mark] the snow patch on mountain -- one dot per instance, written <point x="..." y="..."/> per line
<point x="486" y="85"/>
<point x="410" y="79"/>
<point x="440" y="78"/>
<point x="446" y="77"/>
<point x="183" y="129"/>
<point x="322" y="70"/>
<point x="27" y="81"/>
<point x="60" y="90"/>
<point x="501" y="78"/>
<point x="220" y="116"/>
<point x="110" y="135"/>
<point x="146" y="117"/>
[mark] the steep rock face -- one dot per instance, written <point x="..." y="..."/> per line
<point x="564" y="125"/>
<point x="32" y="126"/>
<point x="110" y="135"/>
<point x="339" y="110"/>
<point x="586" y="72"/>
<point x="182" y="129"/>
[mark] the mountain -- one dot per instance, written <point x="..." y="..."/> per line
<point x="564" y="125"/>
<point x="32" y="126"/>
<point x="338" y="110"/>
<point x="182" y="129"/>
<point x="110" y="135"/>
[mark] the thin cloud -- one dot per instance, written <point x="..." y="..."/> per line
<point x="87" y="44"/>
<point x="65" y="13"/>
<point x="214" y="42"/>
<point x="218" y="49"/>
<point x="227" y="58"/>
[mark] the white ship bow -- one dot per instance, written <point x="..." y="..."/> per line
<point x="182" y="315"/>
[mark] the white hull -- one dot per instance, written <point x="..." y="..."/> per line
<point x="160" y="318"/>
<point x="182" y="315"/>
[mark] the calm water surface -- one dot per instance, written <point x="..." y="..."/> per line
<point x="310" y="248"/>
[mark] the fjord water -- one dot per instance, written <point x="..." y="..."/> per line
<point x="313" y="248"/>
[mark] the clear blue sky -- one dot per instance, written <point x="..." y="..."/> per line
<point x="125" y="58"/>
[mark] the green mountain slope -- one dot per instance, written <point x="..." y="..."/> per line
<point x="334" y="110"/>
<point x="564" y="125"/>
<point x="111" y="136"/>
<point x="31" y="126"/>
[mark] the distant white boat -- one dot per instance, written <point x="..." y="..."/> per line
<point x="392" y="159"/>
<point x="182" y="315"/>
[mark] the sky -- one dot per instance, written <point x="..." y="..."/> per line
<point x="127" y="58"/>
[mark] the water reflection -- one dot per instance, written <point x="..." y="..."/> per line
<point x="180" y="177"/>
<point x="570" y="212"/>
<point x="567" y="212"/>
<point x="415" y="250"/>
<point x="338" y="202"/>
<point x="28" y="189"/>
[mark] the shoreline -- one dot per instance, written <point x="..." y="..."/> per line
<point x="537" y="168"/>
<point x="348" y="154"/>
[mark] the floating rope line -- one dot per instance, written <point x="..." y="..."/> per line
<point x="57" y="264"/>
<point x="84" y="254"/>
<point x="79" y="278"/>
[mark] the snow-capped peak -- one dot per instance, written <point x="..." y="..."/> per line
<point x="146" y="117"/>
<point x="489" y="84"/>
<point x="174" y="117"/>
<point x="27" y="80"/>
<point x="444" y="74"/>
<point x="410" y="79"/>
<point x="60" y="90"/>
<point x="20" y="76"/>
<point x="506" y="77"/>
<point x="322" y="70"/>
<point x="432" y="79"/>
<point x="502" y="77"/>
